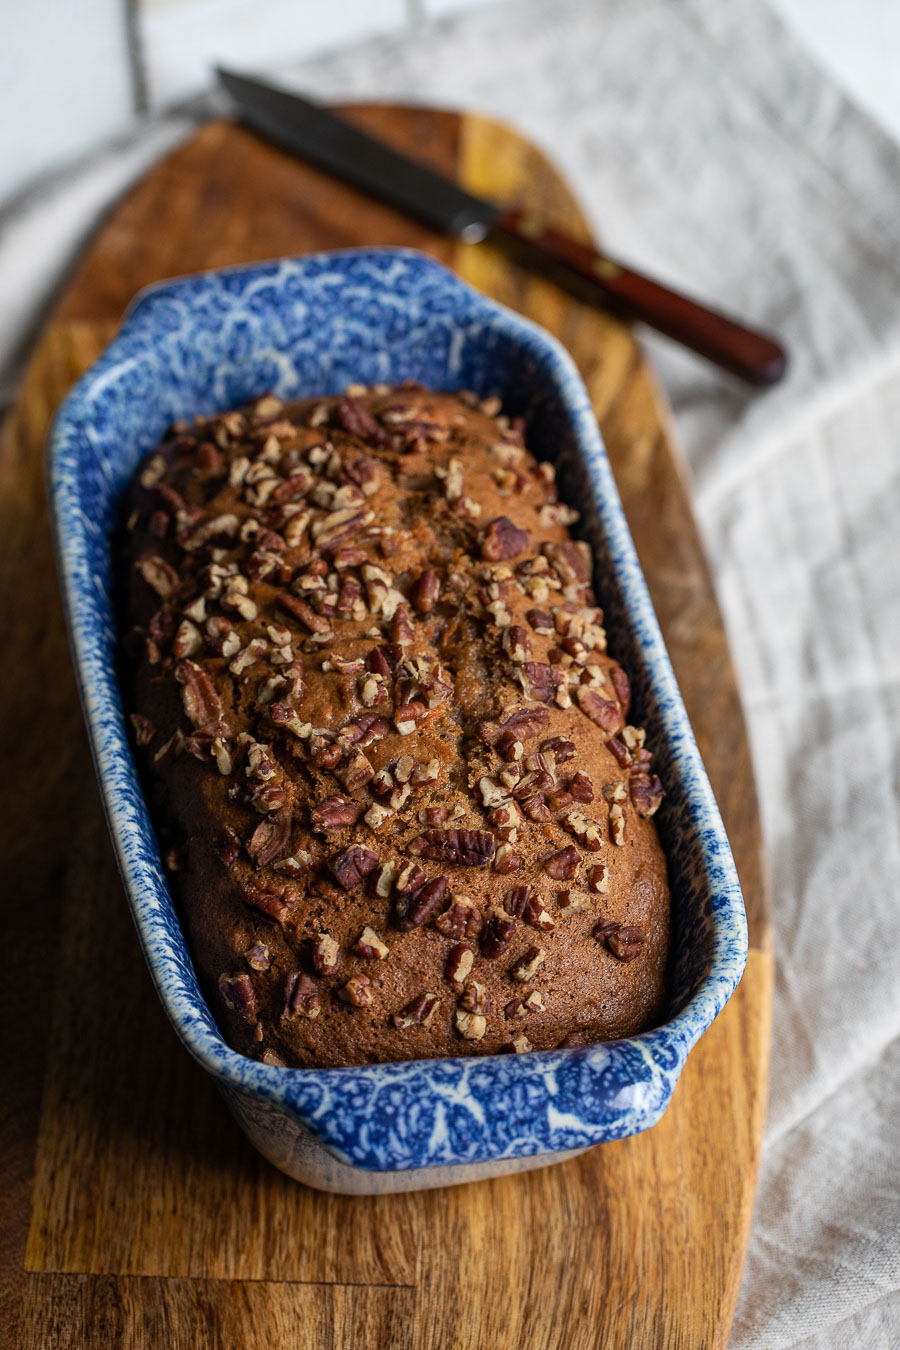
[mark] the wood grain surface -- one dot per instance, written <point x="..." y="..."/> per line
<point x="135" y="1213"/>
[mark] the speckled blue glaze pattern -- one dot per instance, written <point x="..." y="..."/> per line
<point x="315" y="324"/>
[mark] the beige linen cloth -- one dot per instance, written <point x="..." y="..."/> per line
<point x="710" y="150"/>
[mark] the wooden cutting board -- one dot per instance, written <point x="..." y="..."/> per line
<point x="136" y="1214"/>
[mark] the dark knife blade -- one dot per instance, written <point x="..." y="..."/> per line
<point x="332" y="144"/>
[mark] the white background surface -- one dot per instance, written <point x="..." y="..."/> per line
<point x="739" y="170"/>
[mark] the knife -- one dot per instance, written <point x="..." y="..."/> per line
<point x="330" y="143"/>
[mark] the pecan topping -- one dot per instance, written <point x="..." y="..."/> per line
<point x="540" y="680"/>
<point x="502" y="539"/>
<point x="533" y="913"/>
<point x="471" y="1026"/>
<point x="507" y="860"/>
<point x="349" y="868"/>
<point x="604" y="711"/>
<point x="526" y="967"/>
<point x="276" y="902"/>
<point x="425" y="591"/>
<point x="469" y="848"/>
<point x="301" y="997"/>
<point x="570" y="1041"/>
<point x="581" y="787"/>
<point x="355" y="771"/>
<point x="417" y="1013"/>
<point x="622" y="686"/>
<point x="646" y="793"/>
<point x="158" y="574"/>
<point x="239" y="995"/>
<point x="598" y="879"/>
<point x="519" y="1044"/>
<point x="358" y="991"/>
<point x="497" y="933"/>
<point x="257" y="956"/>
<point x="604" y="930"/>
<point x="617" y="832"/>
<point x="517" y="899"/>
<point x="536" y="808"/>
<point x="563" y="865"/>
<point x="412" y="909"/>
<point x="334" y="813"/>
<point x="356" y="418"/>
<point x="302" y="611"/>
<point x="370" y="946"/>
<point x="460" y="919"/>
<point x="559" y="747"/>
<point x="144" y="730"/>
<point x="516" y="644"/>
<point x="571" y="901"/>
<point x="230" y="847"/>
<point x="201" y="702"/>
<point x="460" y="960"/>
<point x="626" y="943"/>
<point x="524" y="722"/>
<point x="540" y="621"/>
<point x="620" y="751"/>
<point x="475" y="998"/>
<point x="326" y="954"/>
<point x="271" y="837"/>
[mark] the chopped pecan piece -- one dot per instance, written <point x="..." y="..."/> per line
<point x="598" y="879"/>
<point x="299" y="609"/>
<point x="581" y="787"/>
<point x="622" y="686"/>
<point x="276" y="902"/>
<point x="620" y="751"/>
<point x="356" y="418"/>
<point x="201" y="702"/>
<point x="507" y="860"/>
<point x="471" y="1026"/>
<point x="349" y="868"/>
<point x="497" y="932"/>
<point x="239" y="995"/>
<point x="604" y="930"/>
<point x="563" y="865"/>
<point x="570" y="1041"/>
<point x="144" y="730"/>
<point x="271" y="837"/>
<point x="524" y="722"/>
<point x="468" y="848"/>
<point x="533" y="913"/>
<point x="559" y="747"/>
<point x="334" y="813"/>
<point x="571" y="901"/>
<point x="425" y="591"/>
<point x="358" y="991"/>
<point x="326" y="954"/>
<point x="419" y="1012"/>
<point x="520" y="1044"/>
<point x="516" y="644"/>
<point x="257" y="956"/>
<point x="460" y="919"/>
<point x="604" y="711"/>
<point x="475" y="998"/>
<point x="355" y="771"/>
<point x="540" y="681"/>
<point x="502" y="539"/>
<point x="158" y="574"/>
<point x="414" y="908"/>
<point x="370" y="946"/>
<point x="617" y="831"/>
<point x="460" y="960"/>
<point x="527" y="965"/>
<point x="540" y="621"/>
<point x="626" y="942"/>
<point x="646" y="793"/>
<point x="517" y="899"/>
<point x="536" y="808"/>
<point x="301" y="996"/>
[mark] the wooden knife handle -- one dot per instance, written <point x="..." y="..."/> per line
<point x="580" y="269"/>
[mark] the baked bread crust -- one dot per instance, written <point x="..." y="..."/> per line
<point x="404" y="809"/>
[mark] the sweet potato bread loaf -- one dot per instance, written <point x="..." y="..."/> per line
<point x="391" y="761"/>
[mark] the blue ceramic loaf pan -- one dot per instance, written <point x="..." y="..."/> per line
<point x="315" y="324"/>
